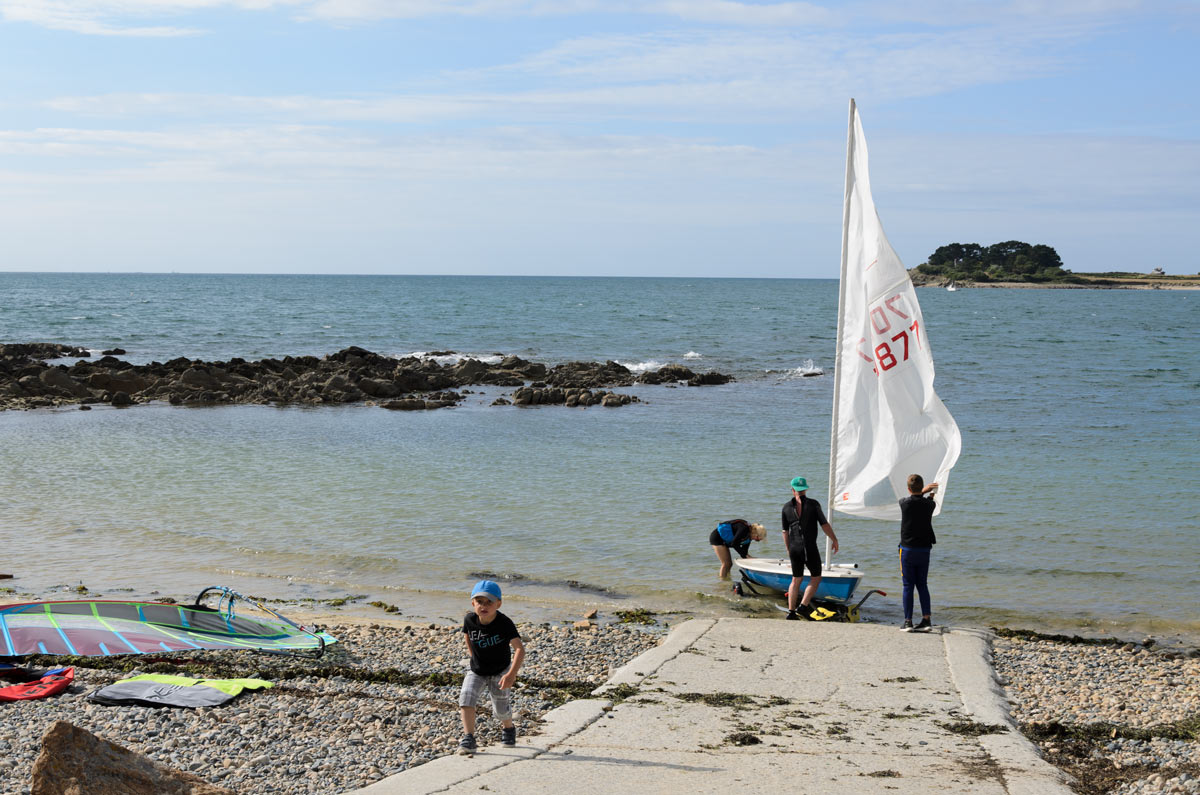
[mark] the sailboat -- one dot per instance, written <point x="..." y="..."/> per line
<point x="951" y="287"/>
<point x="887" y="420"/>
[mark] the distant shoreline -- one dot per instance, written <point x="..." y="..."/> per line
<point x="1191" y="285"/>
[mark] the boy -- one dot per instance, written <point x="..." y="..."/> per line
<point x="916" y="540"/>
<point x="491" y="639"/>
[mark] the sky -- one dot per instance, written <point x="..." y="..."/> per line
<point x="589" y="137"/>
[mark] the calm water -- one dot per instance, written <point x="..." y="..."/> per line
<point x="1074" y="504"/>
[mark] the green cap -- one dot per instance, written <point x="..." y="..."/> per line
<point x="799" y="484"/>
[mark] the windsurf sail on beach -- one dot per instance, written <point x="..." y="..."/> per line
<point x="98" y="628"/>
<point x="887" y="420"/>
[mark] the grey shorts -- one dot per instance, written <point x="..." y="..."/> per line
<point x="472" y="691"/>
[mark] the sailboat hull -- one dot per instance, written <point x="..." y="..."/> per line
<point x="837" y="584"/>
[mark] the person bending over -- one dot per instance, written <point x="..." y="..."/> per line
<point x="735" y="534"/>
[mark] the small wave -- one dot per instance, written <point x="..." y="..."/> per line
<point x="692" y="355"/>
<point x="78" y="317"/>
<point x="641" y="367"/>
<point x="326" y="326"/>
<point x="806" y="370"/>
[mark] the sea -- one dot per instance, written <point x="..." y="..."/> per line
<point x="1074" y="507"/>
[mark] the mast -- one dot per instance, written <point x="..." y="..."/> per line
<point x="837" y="356"/>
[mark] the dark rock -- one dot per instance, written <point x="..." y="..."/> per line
<point x="405" y="404"/>
<point x="121" y="399"/>
<point x="666" y="374"/>
<point x="113" y="352"/>
<point x="74" y="761"/>
<point x="194" y="376"/>
<point x="57" y="379"/>
<point x="709" y="379"/>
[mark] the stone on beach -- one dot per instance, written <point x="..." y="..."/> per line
<point x="74" y="761"/>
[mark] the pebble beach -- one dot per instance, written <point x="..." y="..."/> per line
<point x="383" y="699"/>
<point x="1119" y="718"/>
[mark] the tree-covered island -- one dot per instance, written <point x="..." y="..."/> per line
<point x="1016" y="262"/>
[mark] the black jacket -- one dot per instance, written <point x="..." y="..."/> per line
<point x="916" y="522"/>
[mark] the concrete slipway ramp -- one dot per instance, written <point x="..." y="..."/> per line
<point x="755" y="705"/>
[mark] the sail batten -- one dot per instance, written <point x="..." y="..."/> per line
<point x="887" y="420"/>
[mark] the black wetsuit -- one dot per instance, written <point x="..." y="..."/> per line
<point x="801" y="533"/>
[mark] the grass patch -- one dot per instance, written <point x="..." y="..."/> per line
<point x="882" y="774"/>
<point x="904" y="679"/>
<point x="836" y="730"/>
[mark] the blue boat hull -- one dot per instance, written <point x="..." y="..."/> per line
<point x="835" y="586"/>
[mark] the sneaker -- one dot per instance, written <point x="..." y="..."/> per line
<point x="508" y="736"/>
<point x="907" y="627"/>
<point x="791" y="616"/>
<point x="467" y="745"/>
<point x="924" y="626"/>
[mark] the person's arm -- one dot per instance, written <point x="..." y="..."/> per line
<point x="932" y="487"/>
<point x="785" y="529"/>
<point x="467" y="640"/>
<point x="510" y="676"/>
<point x="828" y="528"/>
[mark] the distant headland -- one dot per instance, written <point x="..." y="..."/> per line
<point x="1014" y="263"/>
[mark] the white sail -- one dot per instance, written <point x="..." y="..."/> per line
<point x="887" y="421"/>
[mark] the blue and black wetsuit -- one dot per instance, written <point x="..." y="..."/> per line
<point x="741" y="537"/>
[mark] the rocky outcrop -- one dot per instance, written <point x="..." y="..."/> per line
<point x="351" y="375"/>
<point x="570" y="397"/>
<point x="74" y="761"/>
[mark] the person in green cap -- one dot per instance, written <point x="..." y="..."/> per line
<point x="801" y="518"/>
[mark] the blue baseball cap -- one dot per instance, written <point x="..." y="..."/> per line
<point x="799" y="484"/>
<point x="486" y="588"/>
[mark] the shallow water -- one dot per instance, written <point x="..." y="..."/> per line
<point x="1073" y="506"/>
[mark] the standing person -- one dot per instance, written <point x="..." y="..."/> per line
<point x="801" y="518"/>
<point x="735" y="534"/>
<point x="916" y="541"/>
<point x="497" y="652"/>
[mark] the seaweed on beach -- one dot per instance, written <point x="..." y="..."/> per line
<point x="639" y="615"/>
<point x="743" y="738"/>
<point x="717" y="699"/>
<point x="970" y="728"/>
<point x="1076" y="640"/>
<point x="1074" y="750"/>
<point x="1185" y="729"/>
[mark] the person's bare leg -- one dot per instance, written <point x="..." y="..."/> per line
<point x="793" y="593"/>
<point x="468" y="719"/>
<point x="810" y="592"/>
<point x="726" y="560"/>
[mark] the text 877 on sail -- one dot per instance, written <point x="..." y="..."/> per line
<point x="887" y="318"/>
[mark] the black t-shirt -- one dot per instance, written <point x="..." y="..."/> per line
<point x="802" y="528"/>
<point x="916" y="522"/>
<point x="490" y="650"/>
